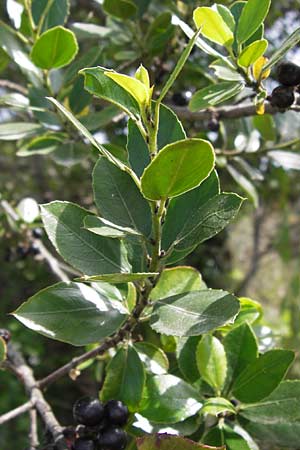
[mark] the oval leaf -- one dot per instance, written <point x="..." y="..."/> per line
<point x="176" y="280"/>
<point x="55" y="48"/>
<point x="253" y="15"/>
<point x="135" y="87"/>
<point x="212" y="25"/>
<point x="178" y="168"/>
<point x="168" y="399"/>
<point x="193" y="313"/>
<point x="72" y="313"/>
<point x="251" y="53"/>
<point x="212" y="362"/>
<point x="154" y="359"/>
<point x="125" y="378"/>
<point x="214" y="94"/>
<point x="122" y="9"/>
<point x="18" y="130"/>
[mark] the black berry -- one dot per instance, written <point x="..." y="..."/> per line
<point x="112" y="439"/>
<point x="288" y="74"/>
<point x="88" y="411"/>
<point x="5" y="334"/>
<point x="180" y="99"/>
<point x="213" y="125"/>
<point x="83" y="444"/>
<point x="22" y="251"/>
<point x="34" y="249"/>
<point x="37" y="233"/>
<point x="116" y="412"/>
<point x="282" y="97"/>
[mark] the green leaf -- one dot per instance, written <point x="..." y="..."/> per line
<point x="206" y="222"/>
<point x="260" y="378"/>
<point x="117" y="278"/>
<point x="241" y="349"/>
<point x="226" y="15"/>
<point x="99" y="119"/>
<point x="251" y="311"/>
<point x="170" y="128"/>
<point x="212" y="362"/>
<point x="154" y="359"/>
<point x="85" y="31"/>
<point x="18" y="130"/>
<point x="133" y="86"/>
<point x="212" y="25"/>
<point x="88" y="58"/>
<point x="289" y="43"/>
<point x="176" y="280"/>
<point x="72" y="313"/>
<point x="224" y="72"/>
<point x="125" y="378"/>
<point x="245" y="184"/>
<point x="42" y="110"/>
<point x="102" y="86"/>
<point x="214" y="94"/>
<point x="179" y="209"/>
<point x="193" y="313"/>
<point x="122" y="9"/>
<point x="56" y="14"/>
<point x="252" y="16"/>
<point x="266" y="126"/>
<point x="178" y="168"/>
<point x="138" y="153"/>
<point x="118" y="198"/>
<point x="104" y="227"/>
<point x="235" y="441"/>
<point x="55" y="48"/>
<point x="217" y="405"/>
<point x="84" y="250"/>
<point x="41" y="145"/>
<point x="284" y="435"/>
<point x="282" y="406"/>
<point x="170" y="442"/>
<point x="251" y="53"/>
<point x="3" y="350"/>
<point x="159" y="33"/>
<point x="186" y="357"/>
<point x="168" y="399"/>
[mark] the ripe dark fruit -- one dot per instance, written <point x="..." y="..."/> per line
<point x="282" y="97"/>
<point x="88" y="411"/>
<point x="116" y="412"/>
<point x="83" y="444"/>
<point x="5" y="334"/>
<point x="180" y="99"/>
<point x="288" y="74"/>
<point x="34" y="249"/>
<point x="213" y="125"/>
<point x="22" y="251"/>
<point x="112" y="439"/>
<point x="37" y="233"/>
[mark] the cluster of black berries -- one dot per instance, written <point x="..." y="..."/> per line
<point x="288" y="75"/>
<point x="24" y="249"/>
<point x="100" y="426"/>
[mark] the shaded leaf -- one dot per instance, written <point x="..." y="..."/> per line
<point x="18" y="130"/>
<point x="169" y="442"/>
<point x="176" y="280"/>
<point x="212" y="362"/>
<point x="186" y="357"/>
<point x="214" y="94"/>
<point x="252" y="16"/>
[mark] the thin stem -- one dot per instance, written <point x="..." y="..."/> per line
<point x="29" y="14"/>
<point x="33" y="433"/>
<point x="157" y="210"/>
<point x="43" y="16"/>
<point x="16" y="412"/>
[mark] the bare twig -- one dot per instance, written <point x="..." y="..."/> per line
<point x="227" y="112"/>
<point x="13" y="86"/>
<point x="33" y="434"/>
<point x="26" y="376"/>
<point x="16" y="412"/>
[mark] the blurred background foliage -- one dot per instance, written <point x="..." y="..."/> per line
<point x="258" y="256"/>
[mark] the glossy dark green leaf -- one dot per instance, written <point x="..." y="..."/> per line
<point x="284" y="435"/>
<point x="260" y="378"/>
<point x="170" y="128"/>
<point x="18" y="130"/>
<point x="125" y="378"/>
<point x="178" y="168"/>
<point x="154" y="359"/>
<point x="98" y="84"/>
<point x="56" y="14"/>
<point x="119" y="199"/>
<point x="122" y="9"/>
<point x="72" y="313"/>
<point x="43" y="110"/>
<point x="282" y="406"/>
<point x="79" y="98"/>
<point x="55" y="48"/>
<point x="214" y="95"/>
<point x="138" y="153"/>
<point x="252" y="16"/>
<point x="212" y="362"/>
<point x="241" y="349"/>
<point x="193" y="313"/>
<point x="170" y="442"/>
<point x="168" y="399"/>
<point x="186" y="356"/>
<point x="87" y="252"/>
<point x="234" y="440"/>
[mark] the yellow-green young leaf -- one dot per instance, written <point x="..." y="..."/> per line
<point x="178" y="168"/>
<point x="55" y="48"/>
<point x="135" y="87"/>
<point x="252" y="16"/>
<point x="142" y="75"/>
<point x="212" y="25"/>
<point x="3" y="350"/>
<point x="212" y="362"/>
<point x="251" y="53"/>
